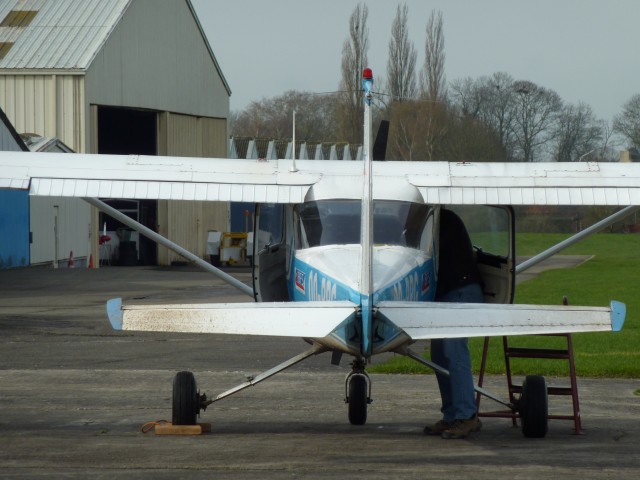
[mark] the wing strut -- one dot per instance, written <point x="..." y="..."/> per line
<point x="427" y="363"/>
<point x="147" y="232"/>
<point x="596" y="227"/>
<point x="315" y="350"/>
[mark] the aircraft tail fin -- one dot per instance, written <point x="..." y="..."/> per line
<point x="380" y="145"/>
<point x="366" y="222"/>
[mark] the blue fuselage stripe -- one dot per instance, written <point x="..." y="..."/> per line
<point x="307" y="283"/>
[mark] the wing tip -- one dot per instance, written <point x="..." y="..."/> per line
<point x="618" y="314"/>
<point x="114" y="312"/>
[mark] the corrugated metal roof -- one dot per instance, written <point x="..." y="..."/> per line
<point x="63" y="34"/>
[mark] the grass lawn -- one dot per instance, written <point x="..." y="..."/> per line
<point x="612" y="274"/>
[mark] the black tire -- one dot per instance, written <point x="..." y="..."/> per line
<point x="185" y="399"/>
<point x="358" y="395"/>
<point x="534" y="407"/>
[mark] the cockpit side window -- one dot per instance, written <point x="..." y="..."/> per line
<point x="418" y="226"/>
<point x="308" y="225"/>
<point x="489" y="227"/>
<point x="270" y="225"/>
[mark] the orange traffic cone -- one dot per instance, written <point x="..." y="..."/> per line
<point x="90" y="261"/>
<point x="71" y="262"/>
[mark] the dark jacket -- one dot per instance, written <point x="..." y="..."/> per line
<point x="457" y="266"/>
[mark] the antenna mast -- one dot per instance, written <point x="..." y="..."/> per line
<point x="293" y="146"/>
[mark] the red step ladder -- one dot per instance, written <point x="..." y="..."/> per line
<point x="548" y="353"/>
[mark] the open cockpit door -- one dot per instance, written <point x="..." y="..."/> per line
<point x="492" y="232"/>
<point x="270" y="254"/>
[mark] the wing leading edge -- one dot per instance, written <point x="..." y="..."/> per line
<point x="223" y="179"/>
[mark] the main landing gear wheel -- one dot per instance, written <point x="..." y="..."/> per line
<point x="358" y="399"/>
<point x="534" y="407"/>
<point x="186" y="400"/>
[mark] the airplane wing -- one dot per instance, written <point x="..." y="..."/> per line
<point x="284" y="319"/>
<point x="425" y="320"/>
<point x="222" y="179"/>
<point x="551" y="183"/>
<point x="157" y="178"/>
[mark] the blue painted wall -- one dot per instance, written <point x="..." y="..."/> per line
<point x="238" y="217"/>
<point x="14" y="228"/>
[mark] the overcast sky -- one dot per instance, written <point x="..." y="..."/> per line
<point x="585" y="50"/>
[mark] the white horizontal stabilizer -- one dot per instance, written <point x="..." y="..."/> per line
<point x="425" y="320"/>
<point x="295" y="319"/>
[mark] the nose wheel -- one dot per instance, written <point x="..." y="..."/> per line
<point x="358" y="393"/>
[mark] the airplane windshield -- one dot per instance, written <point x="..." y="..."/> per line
<point x="337" y="222"/>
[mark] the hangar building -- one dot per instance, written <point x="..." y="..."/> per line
<point x="119" y="77"/>
<point x="14" y="207"/>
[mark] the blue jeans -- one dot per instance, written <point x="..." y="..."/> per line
<point x="457" y="390"/>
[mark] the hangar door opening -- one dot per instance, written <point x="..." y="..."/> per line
<point x="129" y="131"/>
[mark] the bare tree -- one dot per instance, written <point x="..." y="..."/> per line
<point x="354" y="60"/>
<point x="490" y="100"/>
<point x="579" y="134"/>
<point x="418" y="130"/>
<point x="271" y="117"/>
<point x="501" y="110"/>
<point x="401" y="65"/>
<point x="604" y="155"/>
<point x="627" y="123"/>
<point x="425" y="130"/>
<point x="432" y="78"/>
<point x="403" y="137"/>
<point x="470" y="139"/>
<point x="469" y="96"/>
<point x="536" y="111"/>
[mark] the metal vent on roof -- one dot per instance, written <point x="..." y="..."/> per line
<point x="18" y="18"/>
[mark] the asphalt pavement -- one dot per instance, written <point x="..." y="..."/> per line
<point x="74" y="395"/>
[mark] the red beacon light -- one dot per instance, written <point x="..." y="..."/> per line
<point x="367" y="74"/>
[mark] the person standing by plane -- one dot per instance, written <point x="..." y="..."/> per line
<point x="458" y="281"/>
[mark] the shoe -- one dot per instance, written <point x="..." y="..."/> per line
<point x="437" y="428"/>
<point x="462" y="428"/>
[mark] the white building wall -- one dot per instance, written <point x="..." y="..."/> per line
<point x="49" y="105"/>
<point x="187" y="223"/>
<point x="73" y="221"/>
<point x="156" y="58"/>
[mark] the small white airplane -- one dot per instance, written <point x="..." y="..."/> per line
<point x="346" y="253"/>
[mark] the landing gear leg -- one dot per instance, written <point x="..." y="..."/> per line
<point x="358" y="392"/>
<point x="188" y="402"/>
